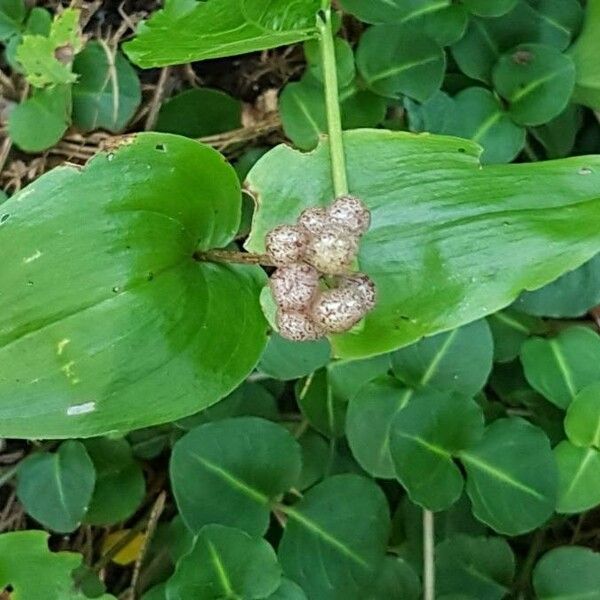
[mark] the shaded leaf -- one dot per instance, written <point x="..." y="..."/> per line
<point x="511" y="476"/>
<point x="12" y="16"/>
<point x="392" y="11"/>
<point x="74" y="359"/>
<point x="107" y="92"/>
<point x="489" y="8"/>
<point x="435" y="232"/>
<point x="396" y="579"/>
<point x="334" y="549"/>
<point x="56" y="488"/>
<point x="509" y="330"/>
<point x="559" y="368"/>
<point x="558" y="135"/>
<point x="228" y="472"/>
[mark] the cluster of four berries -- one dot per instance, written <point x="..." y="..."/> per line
<point x="323" y="243"/>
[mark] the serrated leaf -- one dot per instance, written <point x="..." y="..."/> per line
<point x="120" y="485"/>
<point x="511" y="476"/>
<point x="567" y="572"/>
<point x="75" y="359"/>
<point x="221" y="28"/>
<point x="435" y="232"/>
<point x="56" y="488"/>
<point x="559" y="368"/>
<point x="107" y="92"/>
<point x="334" y="549"/>
<point x="228" y="472"/>
<point x="225" y="563"/>
<point x="578" y="478"/>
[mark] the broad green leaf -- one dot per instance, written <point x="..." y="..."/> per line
<point x="288" y="590"/>
<point x="344" y="59"/>
<point x="331" y="548"/>
<point x="120" y="485"/>
<point x="489" y="8"/>
<point x="457" y="361"/>
<point x="487" y="39"/>
<point x="221" y="28"/>
<point x="434" y="115"/>
<point x="39" y="21"/>
<point x="371" y="413"/>
<point x="569" y="572"/>
<point x="107" y="92"/>
<point x="228" y="472"/>
<point x="320" y="406"/>
<point x="112" y="350"/>
<point x="509" y="330"/>
<point x="347" y="377"/>
<point x="562" y="21"/>
<point x="478" y="567"/>
<point x="248" y="400"/>
<point x="578" y="478"/>
<point x="392" y="11"/>
<point x="511" y="476"/>
<point x="536" y="80"/>
<point x="56" y="488"/>
<point x="571" y="295"/>
<point x="479" y="116"/>
<point x="40" y="121"/>
<point x="287" y="360"/>
<point x="397" y="61"/>
<point x="559" y="368"/>
<point x="582" y="422"/>
<point x="316" y="457"/>
<point x="225" y="563"/>
<point x="12" y="15"/>
<point x="585" y="56"/>
<point x="199" y="112"/>
<point x="396" y="579"/>
<point x="558" y="135"/>
<point x="434" y="233"/>
<point x="35" y="573"/>
<point x="425" y="436"/>
<point x="446" y="25"/>
<point x="40" y="55"/>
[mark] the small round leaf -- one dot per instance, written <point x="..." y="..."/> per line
<point x="582" y="423"/>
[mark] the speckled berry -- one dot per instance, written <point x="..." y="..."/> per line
<point x="297" y="326"/>
<point x="314" y="220"/>
<point x="364" y="286"/>
<point x="331" y="252"/>
<point x="294" y="287"/>
<point x="349" y="214"/>
<point x="286" y="244"/>
<point x="338" y="310"/>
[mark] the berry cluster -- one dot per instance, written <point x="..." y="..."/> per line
<point x="324" y="242"/>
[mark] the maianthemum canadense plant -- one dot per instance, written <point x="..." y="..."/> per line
<point x="449" y="441"/>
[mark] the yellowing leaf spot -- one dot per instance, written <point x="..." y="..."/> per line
<point x="33" y="257"/>
<point x="130" y="552"/>
<point x="61" y="345"/>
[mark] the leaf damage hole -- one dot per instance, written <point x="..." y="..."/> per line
<point x="160" y="147"/>
<point x="4" y="218"/>
<point x="585" y="171"/>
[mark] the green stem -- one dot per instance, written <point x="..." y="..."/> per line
<point x="428" y="556"/>
<point x="332" y="103"/>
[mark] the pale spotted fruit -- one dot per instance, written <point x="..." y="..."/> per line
<point x="294" y="286"/>
<point x="364" y="286"/>
<point x="297" y="326"/>
<point x="331" y="252"/>
<point x="286" y="244"/>
<point x="338" y="310"/>
<point x="314" y="220"/>
<point x="349" y="214"/>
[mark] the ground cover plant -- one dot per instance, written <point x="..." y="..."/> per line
<point x="300" y="300"/>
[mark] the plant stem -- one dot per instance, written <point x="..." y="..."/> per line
<point x="428" y="556"/>
<point x="332" y="103"/>
<point x="232" y="256"/>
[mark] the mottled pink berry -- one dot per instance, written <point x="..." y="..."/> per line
<point x="297" y="326"/>
<point x="294" y="286"/>
<point x="286" y="244"/>
<point x="364" y="286"/>
<point x="338" y="310"/>
<point x="349" y="214"/>
<point x="331" y="252"/>
<point x="314" y="220"/>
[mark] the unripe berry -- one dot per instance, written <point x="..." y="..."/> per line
<point x="364" y="286"/>
<point x="314" y="220"/>
<point x="286" y="244"/>
<point x="331" y="252"/>
<point x="297" y="326"/>
<point x="338" y="310"/>
<point x="294" y="286"/>
<point x="350" y="214"/>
